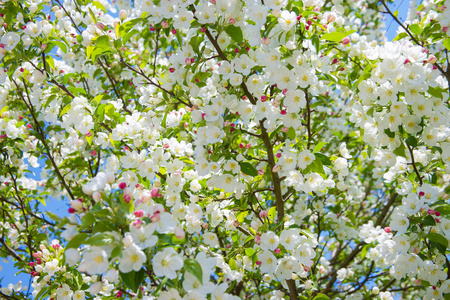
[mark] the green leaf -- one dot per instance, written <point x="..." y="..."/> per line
<point x="97" y="99"/>
<point x="316" y="42"/>
<point x="126" y="27"/>
<point x="412" y="141"/>
<point x="325" y="160"/>
<point x="232" y="264"/>
<point x="240" y="216"/>
<point x="435" y="92"/>
<point x="444" y="210"/>
<point x="99" y="6"/>
<point x="60" y="44"/>
<point x="291" y="133"/>
<point x="248" y="169"/>
<point x="128" y="35"/>
<point x="272" y="212"/>
<point x="133" y="279"/>
<point x="352" y="217"/>
<point x="400" y="36"/>
<point x="100" y="240"/>
<point x="333" y="36"/>
<point x="160" y="286"/>
<point x="87" y="220"/>
<point x="429" y="221"/>
<point x="193" y="267"/>
<point x="77" y="240"/>
<point x="321" y="296"/>
<point x="235" y="33"/>
<point x="319" y="146"/>
<point x="400" y="150"/>
<point x="446" y="43"/>
<point x="92" y="16"/>
<point x="437" y="238"/>
<point x="415" y="28"/>
<point x="53" y="216"/>
<point x="249" y="251"/>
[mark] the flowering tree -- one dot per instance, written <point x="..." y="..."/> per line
<point x="225" y="149"/>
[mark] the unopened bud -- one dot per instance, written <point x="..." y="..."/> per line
<point x="123" y="14"/>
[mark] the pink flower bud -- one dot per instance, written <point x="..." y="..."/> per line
<point x="260" y="172"/>
<point x="203" y="29"/>
<point x="93" y="153"/>
<point x="232" y="21"/>
<point x="174" y="31"/>
<point x="145" y="197"/>
<point x="31" y="264"/>
<point x="76" y="204"/>
<point x="241" y="145"/>
<point x="29" y="126"/>
<point x="154" y="192"/>
<point x="248" y="146"/>
<point x="431" y="211"/>
<point x="155" y="218"/>
<point x="432" y="59"/>
<point x="187" y="61"/>
<point x="265" y="41"/>
<point x="416" y="250"/>
<point x="316" y="8"/>
<point x="96" y="196"/>
<point x="137" y="224"/>
<point x="56" y="246"/>
<point x="285" y="129"/>
<point x="278" y="155"/>
<point x="306" y="268"/>
<point x="71" y="210"/>
<point x="346" y="40"/>
<point x="205" y="225"/>
<point x="122" y="185"/>
<point x="387" y="229"/>
<point x="257" y="239"/>
<point x="100" y="25"/>
<point x="228" y="246"/>
<point x="263" y="214"/>
<point x="123" y="14"/>
<point x="127" y="198"/>
<point x="258" y="262"/>
<point x="277" y="251"/>
<point x="180" y="234"/>
<point x="164" y="24"/>
<point x="331" y="18"/>
<point x="276" y="168"/>
<point x="139" y="213"/>
<point x="263" y="98"/>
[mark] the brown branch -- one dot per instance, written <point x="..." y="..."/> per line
<point x="413" y="38"/>
<point x="149" y="81"/>
<point x="111" y="79"/>
<point x="414" y="164"/>
<point x="43" y="140"/>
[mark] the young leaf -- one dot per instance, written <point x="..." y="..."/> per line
<point x="133" y="279"/>
<point x="235" y="33"/>
<point x="193" y="267"/>
<point x="248" y="169"/>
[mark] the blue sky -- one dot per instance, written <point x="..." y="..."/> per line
<point x="59" y="207"/>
